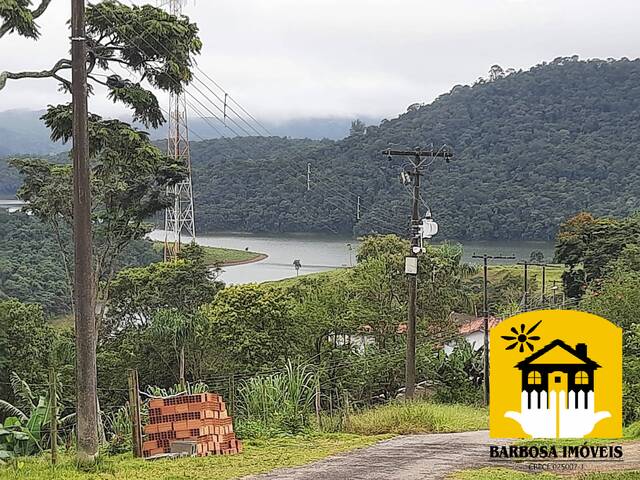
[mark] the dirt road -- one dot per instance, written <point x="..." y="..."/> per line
<point x="422" y="457"/>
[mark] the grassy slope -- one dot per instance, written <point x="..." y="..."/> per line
<point x="498" y="272"/>
<point x="222" y="256"/>
<point x="418" y="417"/>
<point x="258" y="457"/>
<point x="328" y="275"/>
<point x="505" y="474"/>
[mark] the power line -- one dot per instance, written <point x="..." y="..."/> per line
<point x="213" y="114"/>
<point x="334" y="191"/>
<point x="351" y="209"/>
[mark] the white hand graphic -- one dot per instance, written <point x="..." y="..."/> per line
<point x="580" y="421"/>
<point x="537" y="422"/>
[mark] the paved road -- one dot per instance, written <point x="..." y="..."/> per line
<point x="424" y="457"/>
<point x="406" y="457"/>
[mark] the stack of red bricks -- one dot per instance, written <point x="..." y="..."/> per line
<point x="201" y="418"/>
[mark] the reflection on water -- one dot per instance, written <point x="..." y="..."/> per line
<point x="319" y="253"/>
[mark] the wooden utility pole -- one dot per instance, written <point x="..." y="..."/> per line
<point x="485" y="316"/>
<point x="417" y="157"/>
<point x="83" y="294"/>
<point x="53" y="413"/>
<point x="134" y="411"/>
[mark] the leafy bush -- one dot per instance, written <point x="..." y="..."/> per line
<point x="633" y="430"/>
<point x="618" y="300"/>
<point x="177" y="389"/>
<point x="459" y="375"/>
<point x="117" y="427"/>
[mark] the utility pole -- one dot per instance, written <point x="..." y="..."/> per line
<point x="308" y="177"/>
<point x="485" y="316"/>
<point x="83" y="294"/>
<point x="180" y="216"/>
<point x="417" y="157"/>
<point x="358" y="209"/>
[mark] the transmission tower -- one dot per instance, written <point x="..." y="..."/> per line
<point x="179" y="218"/>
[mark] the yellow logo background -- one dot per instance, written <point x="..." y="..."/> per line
<point x="604" y="346"/>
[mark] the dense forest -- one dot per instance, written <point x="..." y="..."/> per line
<point x="532" y="148"/>
<point x="31" y="269"/>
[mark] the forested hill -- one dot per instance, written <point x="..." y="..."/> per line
<point x="532" y="148"/>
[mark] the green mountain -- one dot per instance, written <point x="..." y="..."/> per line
<point x="531" y="149"/>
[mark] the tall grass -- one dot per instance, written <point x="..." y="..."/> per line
<point x="280" y="402"/>
<point x="418" y="417"/>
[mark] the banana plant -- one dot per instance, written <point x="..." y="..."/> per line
<point x="25" y="431"/>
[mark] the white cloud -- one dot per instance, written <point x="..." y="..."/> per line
<point x="289" y="58"/>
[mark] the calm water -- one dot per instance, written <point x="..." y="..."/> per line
<point x="319" y="253"/>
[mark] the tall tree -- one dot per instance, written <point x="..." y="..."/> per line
<point x="589" y="245"/>
<point x="129" y="176"/>
<point x="138" y="294"/>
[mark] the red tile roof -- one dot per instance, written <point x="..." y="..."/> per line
<point x="476" y="325"/>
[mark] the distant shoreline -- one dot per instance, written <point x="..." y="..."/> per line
<point x="223" y="257"/>
<point x="233" y="263"/>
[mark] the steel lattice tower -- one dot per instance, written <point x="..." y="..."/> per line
<point x="179" y="219"/>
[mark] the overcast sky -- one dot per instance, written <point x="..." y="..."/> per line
<point x="306" y="58"/>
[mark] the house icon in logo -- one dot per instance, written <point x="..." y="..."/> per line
<point x="558" y="367"/>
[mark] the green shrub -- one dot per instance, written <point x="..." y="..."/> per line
<point x="459" y="375"/>
<point x="417" y="417"/>
<point x="633" y="430"/>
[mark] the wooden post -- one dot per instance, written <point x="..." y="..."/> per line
<point x="134" y="410"/>
<point x="232" y="394"/>
<point x="331" y="404"/>
<point x="345" y="407"/>
<point x="317" y="401"/>
<point x="53" y="412"/>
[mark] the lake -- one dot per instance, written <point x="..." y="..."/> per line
<point x="318" y="253"/>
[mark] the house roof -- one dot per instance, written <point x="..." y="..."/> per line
<point x="476" y="325"/>
<point x="568" y="355"/>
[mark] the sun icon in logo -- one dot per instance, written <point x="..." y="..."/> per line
<point x="522" y="338"/>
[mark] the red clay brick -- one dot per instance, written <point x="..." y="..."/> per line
<point x="164" y="427"/>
